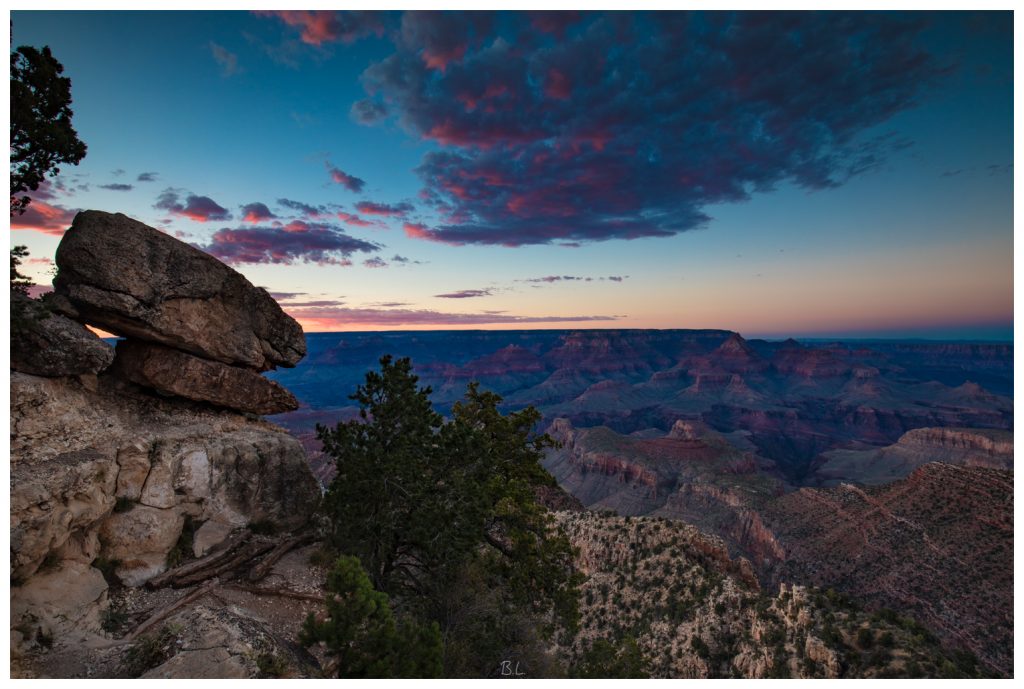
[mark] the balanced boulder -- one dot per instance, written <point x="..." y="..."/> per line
<point x="133" y="280"/>
<point x="176" y="373"/>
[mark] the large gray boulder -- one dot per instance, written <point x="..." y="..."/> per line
<point x="48" y="344"/>
<point x="177" y="373"/>
<point x="133" y="280"/>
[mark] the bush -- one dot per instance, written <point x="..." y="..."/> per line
<point x="605" y="660"/>
<point x="271" y="665"/>
<point x="113" y="620"/>
<point x="361" y="632"/>
<point x="699" y="647"/>
<point x="150" y="651"/>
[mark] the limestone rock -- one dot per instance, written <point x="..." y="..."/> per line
<point x="140" y="539"/>
<point x="177" y="373"/>
<point x="59" y="601"/>
<point x="53" y="500"/>
<point x="219" y="643"/>
<point x="133" y="280"/>
<point x="75" y="452"/>
<point x="54" y="345"/>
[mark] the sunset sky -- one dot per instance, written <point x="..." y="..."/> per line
<point x="807" y="175"/>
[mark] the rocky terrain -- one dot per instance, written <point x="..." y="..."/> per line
<point x="938" y="543"/>
<point x="127" y="462"/>
<point x="696" y="613"/>
<point x="980" y="447"/>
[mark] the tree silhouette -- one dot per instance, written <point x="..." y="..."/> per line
<point x="41" y="133"/>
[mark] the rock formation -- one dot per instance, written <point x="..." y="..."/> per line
<point x="49" y="344"/>
<point x="177" y="373"/>
<point x="135" y="281"/>
<point x="937" y="544"/>
<point x="196" y="328"/>
<point x="980" y="447"/>
<point x="122" y="474"/>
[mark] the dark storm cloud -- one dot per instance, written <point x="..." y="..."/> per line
<point x="198" y="208"/>
<point x="631" y="124"/>
<point x="293" y="243"/>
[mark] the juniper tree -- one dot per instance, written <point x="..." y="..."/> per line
<point x="430" y="505"/>
<point x="360" y="631"/>
<point x="42" y="137"/>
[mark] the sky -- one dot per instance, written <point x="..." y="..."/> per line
<point x="777" y="174"/>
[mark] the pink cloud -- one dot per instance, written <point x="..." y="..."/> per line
<point x="317" y="27"/>
<point x="346" y="180"/>
<point x="351" y="219"/>
<point x="371" y="208"/>
<point x="256" y="212"/>
<point x="338" y="318"/>
<point x="197" y="208"/>
<point x="45" y="218"/>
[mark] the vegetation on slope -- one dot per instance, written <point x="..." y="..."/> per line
<point x="452" y="567"/>
<point x="693" y="612"/>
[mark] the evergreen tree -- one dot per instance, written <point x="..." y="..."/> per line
<point x="25" y="311"/>
<point x="41" y="133"/>
<point x="19" y="283"/>
<point x="431" y="507"/>
<point x="361" y="633"/>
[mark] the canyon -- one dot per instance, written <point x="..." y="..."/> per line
<point x="739" y="508"/>
<point x="881" y="469"/>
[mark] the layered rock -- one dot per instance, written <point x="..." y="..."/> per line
<point x="980" y="447"/>
<point x="49" y="344"/>
<point x="115" y="473"/>
<point x="133" y="280"/>
<point x="120" y="475"/>
<point x="937" y="544"/>
<point x="176" y="373"/>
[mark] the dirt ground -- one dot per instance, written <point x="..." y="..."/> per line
<point x="226" y="632"/>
